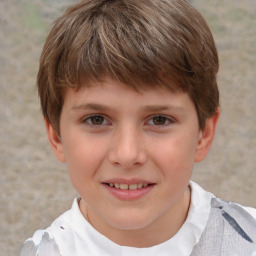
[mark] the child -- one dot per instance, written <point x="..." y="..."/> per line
<point x="130" y="100"/>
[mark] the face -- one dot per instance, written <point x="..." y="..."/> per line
<point x="130" y="154"/>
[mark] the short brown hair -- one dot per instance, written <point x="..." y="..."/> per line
<point x="142" y="44"/>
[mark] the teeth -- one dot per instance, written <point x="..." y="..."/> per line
<point x="126" y="186"/>
<point x="133" y="186"/>
<point x="140" y="185"/>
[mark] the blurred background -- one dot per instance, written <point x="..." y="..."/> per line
<point x="35" y="188"/>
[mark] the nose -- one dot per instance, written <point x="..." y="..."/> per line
<point x="128" y="149"/>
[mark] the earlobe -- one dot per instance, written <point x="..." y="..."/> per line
<point x="55" y="141"/>
<point x="206" y="137"/>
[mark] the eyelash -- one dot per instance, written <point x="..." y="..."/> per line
<point x="150" y="121"/>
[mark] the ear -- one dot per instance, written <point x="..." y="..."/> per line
<point x="206" y="137"/>
<point x="55" y="141"/>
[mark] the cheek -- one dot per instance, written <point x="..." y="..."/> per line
<point x="84" y="157"/>
<point x="175" y="155"/>
<point x="180" y="145"/>
<point x="82" y="164"/>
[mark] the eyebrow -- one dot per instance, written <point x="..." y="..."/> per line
<point x="149" y="108"/>
<point x="155" y="108"/>
<point x="91" y="106"/>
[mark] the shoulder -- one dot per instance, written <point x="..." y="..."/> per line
<point x="200" y="193"/>
<point x="231" y="228"/>
<point x="48" y="241"/>
<point x="251" y="211"/>
<point x="234" y="209"/>
<point x="247" y="213"/>
<point x="46" y="246"/>
<point x="237" y="220"/>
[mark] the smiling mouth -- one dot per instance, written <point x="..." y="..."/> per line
<point x="122" y="186"/>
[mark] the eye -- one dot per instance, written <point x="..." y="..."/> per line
<point x="160" y="120"/>
<point x="96" y="120"/>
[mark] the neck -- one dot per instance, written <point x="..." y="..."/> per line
<point x="157" y="232"/>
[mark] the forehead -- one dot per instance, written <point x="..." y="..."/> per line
<point x="112" y="93"/>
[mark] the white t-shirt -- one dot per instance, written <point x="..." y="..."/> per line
<point x="73" y="235"/>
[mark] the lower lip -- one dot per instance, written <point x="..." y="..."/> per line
<point x="129" y="195"/>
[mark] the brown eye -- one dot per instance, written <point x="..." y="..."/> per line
<point x="96" y="120"/>
<point x="159" y="120"/>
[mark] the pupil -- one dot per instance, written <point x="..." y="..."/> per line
<point x="97" y="120"/>
<point x="159" y="120"/>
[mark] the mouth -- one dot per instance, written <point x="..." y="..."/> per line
<point x="124" y="186"/>
<point x="128" y="189"/>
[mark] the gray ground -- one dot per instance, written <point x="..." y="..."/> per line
<point x="34" y="187"/>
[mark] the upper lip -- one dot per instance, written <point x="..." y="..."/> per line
<point x="128" y="181"/>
